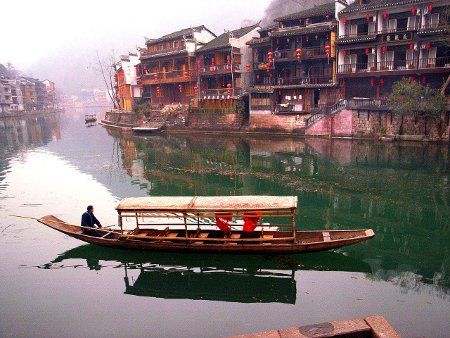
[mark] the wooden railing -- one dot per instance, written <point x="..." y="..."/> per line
<point x="291" y="54"/>
<point x="172" y="76"/>
<point x="441" y="62"/>
<point x="222" y="92"/>
<point x="305" y="80"/>
<point x="220" y="68"/>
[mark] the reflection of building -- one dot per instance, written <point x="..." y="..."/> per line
<point x="380" y="42"/>
<point x="169" y="69"/>
<point x="101" y="96"/>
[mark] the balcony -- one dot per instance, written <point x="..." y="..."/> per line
<point x="307" y="53"/>
<point x="432" y="28"/>
<point x="221" y="92"/>
<point x="219" y="69"/>
<point x="306" y="81"/>
<point x="145" y="54"/>
<point x="175" y="76"/>
<point x="396" y="65"/>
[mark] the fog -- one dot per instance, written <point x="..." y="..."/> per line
<point x="58" y="40"/>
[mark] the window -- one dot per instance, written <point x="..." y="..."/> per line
<point x="372" y="28"/>
<point x="371" y="61"/>
<point x="412" y="23"/>
<point x="434" y="20"/>
<point x="392" y="25"/>
<point x="354" y="30"/>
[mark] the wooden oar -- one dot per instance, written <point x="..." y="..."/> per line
<point x="78" y="226"/>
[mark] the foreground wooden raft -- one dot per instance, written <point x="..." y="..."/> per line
<point x="188" y="224"/>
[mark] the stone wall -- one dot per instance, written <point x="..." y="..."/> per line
<point x="215" y="121"/>
<point x="375" y="124"/>
<point x="291" y="123"/>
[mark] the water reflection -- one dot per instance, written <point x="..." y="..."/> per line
<point x="227" y="278"/>
<point x="399" y="189"/>
<point x="28" y="131"/>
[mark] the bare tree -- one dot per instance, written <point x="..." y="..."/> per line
<point x="107" y="69"/>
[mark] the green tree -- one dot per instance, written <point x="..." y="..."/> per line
<point x="411" y="98"/>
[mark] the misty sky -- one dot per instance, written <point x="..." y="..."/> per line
<point x="58" y="39"/>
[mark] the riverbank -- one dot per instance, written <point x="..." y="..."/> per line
<point x="21" y="114"/>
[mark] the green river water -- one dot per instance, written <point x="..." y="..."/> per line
<point x="55" y="286"/>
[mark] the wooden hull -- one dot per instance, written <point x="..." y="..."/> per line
<point x="306" y="241"/>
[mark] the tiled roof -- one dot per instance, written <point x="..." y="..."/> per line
<point x="316" y="28"/>
<point x="223" y="40"/>
<point x="260" y="41"/>
<point x="377" y="4"/>
<point x="321" y="10"/>
<point x="177" y="34"/>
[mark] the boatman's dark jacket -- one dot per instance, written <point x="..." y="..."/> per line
<point x="89" y="220"/>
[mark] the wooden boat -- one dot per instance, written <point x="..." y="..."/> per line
<point x="90" y="118"/>
<point x="166" y="224"/>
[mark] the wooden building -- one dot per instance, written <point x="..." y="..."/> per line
<point x="294" y="63"/>
<point x="222" y="66"/>
<point x="168" y="72"/>
<point x="127" y="88"/>
<point x="382" y="41"/>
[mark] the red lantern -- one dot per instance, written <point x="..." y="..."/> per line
<point x="367" y="51"/>
<point x="180" y="88"/>
<point x="141" y="86"/>
<point x="385" y="15"/>
<point x="428" y="45"/>
<point x="156" y="76"/>
<point x="411" y="78"/>
<point x="271" y="75"/>
<point x="411" y="46"/>
<point x="268" y="67"/>
<point x="247" y="67"/>
<point x="345" y="21"/>
<point x="381" y="82"/>
<point x="186" y="75"/>
<point x="372" y="82"/>
<point x="344" y="53"/>
<point x="298" y="52"/>
<point x="413" y="11"/>
<point x="228" y="59"/>
<point x="430" y="8"/>
<point x="383" y="49"/>
<point x="257" y="77"/>
<point x="327" y="50"/>
<point x="367" y="17"/>
<point x="270" y="56"/>
<point x="229" y="87"/>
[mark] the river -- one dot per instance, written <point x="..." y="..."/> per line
<point x="55" y="286"/>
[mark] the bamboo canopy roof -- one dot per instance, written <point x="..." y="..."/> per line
<point x="217" y="204"/>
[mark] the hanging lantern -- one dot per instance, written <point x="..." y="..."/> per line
<point x="247" y="67"/>
<point x="367" y="17"/>
<point x="327" y="50"/>
<point x="298" y="52"/>
<point x="381" y="82"/>
<point x="385" y="15"/>
<point x="372" y="82"/>
<point x="430" y="8"/>
<point x="367" y="51"/>
<point x="229" y="87"/>
<point x="257" y="76"/>
<point x="411" y="46"/>
<point x="156" y="76"/>
<point x="383" y="49"/>
<point x="271" y="75"/>
<point x="228" y="59"/>
<point x="268" y="67"/>
<point x="428" y="45"/>
<point x="413" y="11"/>
<point x="270" y="56"/>
<point x="327" y="17"/>
<point x="344" y="53"/>
<point x="288" y="40"/>
<point x="180" y="88"/>
<point x="345" y="21"/>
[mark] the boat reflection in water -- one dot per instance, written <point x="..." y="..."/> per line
<point x="227" y="278"/>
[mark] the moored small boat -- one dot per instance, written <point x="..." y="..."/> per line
<point x="229" y="224"/>
<point x="90" y="118"/>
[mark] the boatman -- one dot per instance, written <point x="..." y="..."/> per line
<point x="88" y="220"/>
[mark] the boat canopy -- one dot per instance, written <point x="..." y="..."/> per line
<point x="216" y="204"/>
